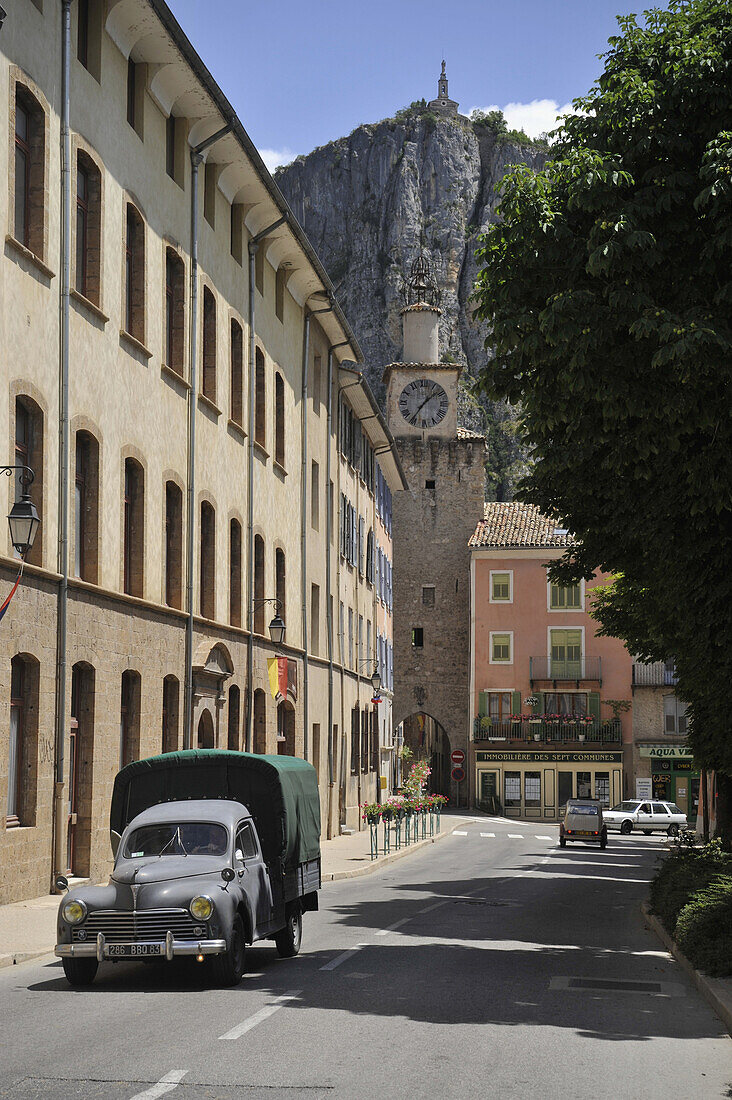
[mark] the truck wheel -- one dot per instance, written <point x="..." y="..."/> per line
<point x="80" y="971"/>
<point x="626" y="828"/>
<point x="289" y="939"/>
<point x="562" y="842"/>
<point x="229" y="967"/>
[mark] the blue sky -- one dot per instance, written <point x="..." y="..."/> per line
<point x="302" y="74"/>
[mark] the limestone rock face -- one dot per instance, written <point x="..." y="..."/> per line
<point x="367" y="201"/>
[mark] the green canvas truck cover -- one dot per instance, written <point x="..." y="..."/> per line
<point x="280" y="792"/>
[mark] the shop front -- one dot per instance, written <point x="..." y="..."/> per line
<point x="537" y="784"/>
<point x="673" y="776"/>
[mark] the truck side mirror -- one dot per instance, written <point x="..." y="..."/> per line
<point x="228" y="875"/>
<point x="114" y="840"/>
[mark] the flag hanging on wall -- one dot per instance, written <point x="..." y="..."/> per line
<point x="6" y="602"/>
<point x="277" y="673"/>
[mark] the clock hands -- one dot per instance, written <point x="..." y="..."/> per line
<point x="430" y="395"/>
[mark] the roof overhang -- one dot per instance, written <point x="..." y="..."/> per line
<point x="180" y="84"/>
<point x="363" y="403"/>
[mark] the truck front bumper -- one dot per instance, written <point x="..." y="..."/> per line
<point x="168" y="949"/>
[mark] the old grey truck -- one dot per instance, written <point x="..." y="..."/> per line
<point x="213" y="851"/>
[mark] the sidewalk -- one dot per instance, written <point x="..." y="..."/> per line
<point x="28" y="928"/>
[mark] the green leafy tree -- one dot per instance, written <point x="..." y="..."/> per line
<point x="608" y="288"/>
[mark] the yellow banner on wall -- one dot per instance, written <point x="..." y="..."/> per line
<point x="277" y="673"/>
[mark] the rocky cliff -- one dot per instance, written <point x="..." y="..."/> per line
<point x="366" y="202"/>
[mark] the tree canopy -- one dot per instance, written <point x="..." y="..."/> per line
<point x="607" y="284"/>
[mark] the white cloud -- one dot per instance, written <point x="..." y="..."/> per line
<point x="273" y="158"/>
<point x="538" y="117"/>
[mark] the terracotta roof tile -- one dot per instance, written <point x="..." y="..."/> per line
<point x="466" y="433"/>
<point x="512" y="524"/>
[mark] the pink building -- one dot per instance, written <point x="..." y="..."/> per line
<point x="544" y="728"/>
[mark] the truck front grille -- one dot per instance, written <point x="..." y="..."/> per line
<point x="120" y="926"/>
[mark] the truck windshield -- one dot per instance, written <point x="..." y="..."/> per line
<point x="190" y="838"/>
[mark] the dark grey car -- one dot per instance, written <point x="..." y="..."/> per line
<point x="189" y="879"/>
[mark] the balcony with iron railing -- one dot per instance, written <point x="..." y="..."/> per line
<point x="554" y="670"/>
<point x="654" y="674"/>
<point x="548" y="730"/>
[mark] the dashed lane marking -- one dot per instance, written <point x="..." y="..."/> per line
<point x="488" y="834"/>
<point x="161" y="1087"/>
<point x="515" y="836"/>
<point x="342" y="957"/>
<point x="393" y="927"/>
<point x="537" y="837"/>
<point x="459" y="832"/>
<point x="257" y="1018"/>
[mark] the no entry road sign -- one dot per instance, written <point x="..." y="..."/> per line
<point x="458" y="757"/>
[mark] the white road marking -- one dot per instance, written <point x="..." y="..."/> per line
<point x="459" y="832"/>
<point x="165" y="1084"/>
<point x="429" y="908"/>
<point x="342" y="957"/>
<point x="537" y="837"/>
<point x="258" y="1017"/>
<point x="392" y="927"/>
<point x="487" y="834"/>
<point x="515" y="836"/>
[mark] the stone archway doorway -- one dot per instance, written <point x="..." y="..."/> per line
<point x="205" y="736"/>
<point x="286" y="729"/>
<point x="429" y="741"/>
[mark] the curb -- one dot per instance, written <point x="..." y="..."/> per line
<point x="22" y="957"/>
<point x="717" y="993"/>
<point x="405" y="850"/>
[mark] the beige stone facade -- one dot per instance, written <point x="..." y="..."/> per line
<point x="662" y="761"/>
<point x="272" y="383"/>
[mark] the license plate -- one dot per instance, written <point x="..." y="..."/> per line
<point x="133" y="950"/>
<point x="582" y="832"/>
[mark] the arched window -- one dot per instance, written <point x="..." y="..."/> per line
<point x="135" y="274"/>
<point x="134" y="528"/>
<point x="207" y="562"/>
<point x="280" y="581"/>
<point x="235" y="573"/>
<point x="23" y="746"/>
<point x="174" y="311"/>
<point x="233" y="723"/>
<point x="30" y="171"/>
<point x="173" y="544"/>
<point x="235" y="397"/>
<point x="129" y="726"/>
<point x="29" y="452"/>
<point x="208" y="387"/>
<point x="88" y="227"/>
<point x="258" y="584"/>
<point x="205" y="736"/>
<point x="81" y="769"/>
<point x="171" y="697"/>
<point x="86" y="508"/>
<point x="279" y="419"/>
<point x="260" y="721"/>
<point x="260" y="409"/>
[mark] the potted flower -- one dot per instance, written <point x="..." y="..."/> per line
<point x="371" y="812"/>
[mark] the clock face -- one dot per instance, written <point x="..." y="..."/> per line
<point x="423" y="403"/>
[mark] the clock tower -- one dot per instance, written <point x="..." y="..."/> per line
<point x="432" y="523"/>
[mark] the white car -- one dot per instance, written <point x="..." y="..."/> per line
<point x="645" y="815"/>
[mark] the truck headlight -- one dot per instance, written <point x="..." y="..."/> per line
<point x="201" y="907"/>
<point x="73" y="911"/>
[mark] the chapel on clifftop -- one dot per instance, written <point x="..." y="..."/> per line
<point x="443" y="105"/>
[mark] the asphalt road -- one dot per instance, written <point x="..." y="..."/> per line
<point x="493" y="964"/>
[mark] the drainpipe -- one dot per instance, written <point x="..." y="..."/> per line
<point x="303" y="527"/>
<point x="59" y="855"/>
<point x="253" y="247"/>
<point x="196" y="160"/>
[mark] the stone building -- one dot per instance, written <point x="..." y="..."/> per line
<point x="443" y="105"/>
<point x="433" y="520"/>
<point x="184" y="385"/>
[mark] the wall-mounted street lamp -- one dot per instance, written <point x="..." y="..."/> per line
<point x="375" y="675"/>
<point x="277" y="626"/>
<point x="23" y="519"/>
